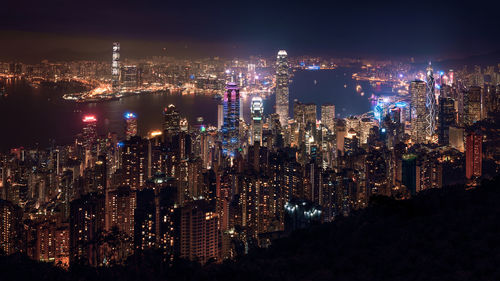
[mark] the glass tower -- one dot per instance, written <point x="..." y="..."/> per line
<point x="282" y="86"/>
<point x="257" y="110"/>
<point x="231" y="126"/>
<point x="115" y="66"/>
<point x="418" y="111"/>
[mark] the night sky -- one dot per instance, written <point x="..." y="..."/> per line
<point x="31" y="29"/>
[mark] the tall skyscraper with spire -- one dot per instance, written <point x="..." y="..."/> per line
<point x="231" y="126"/>
<point x="282" y="99"/>
<point x="430" y="103"/>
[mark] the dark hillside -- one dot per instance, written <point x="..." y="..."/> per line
<point x="445" y="234"/>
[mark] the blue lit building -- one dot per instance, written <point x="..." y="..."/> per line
<point x="231" y="126"/>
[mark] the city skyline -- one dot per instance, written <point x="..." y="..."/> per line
<point x="255" y="140"/>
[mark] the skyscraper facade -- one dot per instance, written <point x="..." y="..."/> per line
<point x="282" y="86"/>
<point x="129" y="77"/>
<point x="231" y="126"/>
<point x="430" y="103"/>
<point x="473" y="154"/>
<point x="89" y="131"/>
<point x="199" y="238"/>
<point x="130" y="124"/>
<point x="134" y="162"/>
<point x="328" y="116"/>
<point x="115" y="66"/>
<point x="446" y="118"/>
<point x="87" y="222"/>
<point x="418" y="111"/>
<point x="220" y="116"/>
<point x="257" y="112"/>
<point x="304" y="113"/>
<point x="472" y="105"/>
<point x="10" y="233"/>
<point x="171" y="120"/>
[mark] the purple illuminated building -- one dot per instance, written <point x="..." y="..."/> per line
<point x="231" y="126"/>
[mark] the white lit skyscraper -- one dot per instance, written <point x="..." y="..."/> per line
<point x="430" y="103"/>
<point x="115" y="66"/>
<point x="257" y="111"/>
<point x="282" y="87"/>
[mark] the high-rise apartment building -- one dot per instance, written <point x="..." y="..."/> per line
<point x="199" y="234"/>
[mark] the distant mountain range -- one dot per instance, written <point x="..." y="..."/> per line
<point x="483" y="60"/>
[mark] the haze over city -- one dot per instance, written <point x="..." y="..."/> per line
<point x="227" y="28"/>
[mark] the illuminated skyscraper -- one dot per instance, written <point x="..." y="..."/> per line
<point x="134" y="162"/>
<point x="304" y="113"/>
<point x="10" y="227"/>
<point x="199" y="235"/>
<point x="446" y="118"/>
<point x="89" y="131"/>
<point x="87" y="222"/>
<point x="473" y="154"/>
<point x="418" y="111"/>
<point x="120" y="207"/>
<point x="456" y="138"/>
<point x="472" y="105"/>
<point x="131" y="124"/>
<point x="183" y="125"/>
<point x="129" y="77"/>
<point x="115" y="66"/>
<point x="282" y="87"/>
<point x="257" y="111"/>
<point x="231" y="126"/>
<point x="328" y="116"/>
<point x="171" y="121"/>
<point x="220" y="116"/>
<point x="430" y="103"/>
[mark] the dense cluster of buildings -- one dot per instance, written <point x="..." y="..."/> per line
<point x="208" y="193"/>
